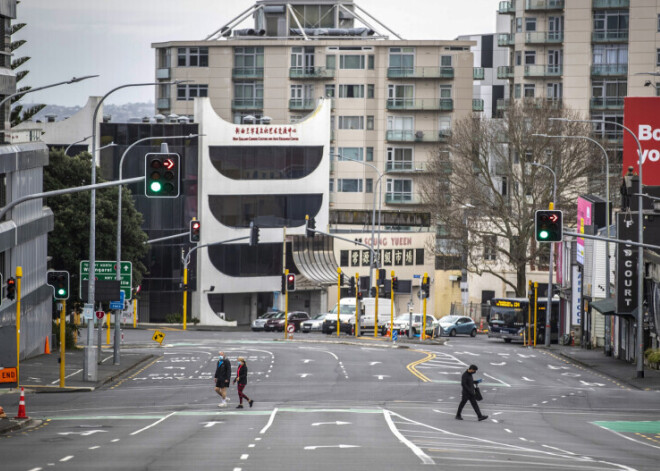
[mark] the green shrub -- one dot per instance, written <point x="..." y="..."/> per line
<point x="70" y="330"/>
<point x="194" y="320"/>
<point x="174" y="318"/>
<point x="654" y="356"/>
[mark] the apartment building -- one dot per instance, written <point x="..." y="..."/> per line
<point x="393" y="102"/>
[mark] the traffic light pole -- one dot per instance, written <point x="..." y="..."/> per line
<point x="391" y="303"/>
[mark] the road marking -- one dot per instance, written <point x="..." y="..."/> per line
<point x="315" y="447"/>
<point x="84" y="434"/>
<point x="380" y="377"/>
<point x="413" y="370"/>
<point x="244" y="457"/>
<point x="527" y="379"/>
<point x="306" y="360"/>
<point x="558" y="367"/>
<point x="507" y="430"/>
<point x="66" y="458"/>
<point x="270" y="421"/>
<point x="499" y="364"/>
<point x="372" y="363"/>
<point x="251" y="445"/>
<point x="35" y="469"/>
<point x="426" y="459"/>
<point x="466" y="353"/>
<point x="211" y="424"/>
<point x="316" y="424"/>
<point x="116" y="440"/>
<point x="67" y="376"/>
<point x="498" y="380"/>
<point x="94" y="447"/>
<point x="591" y="384"/>
<point x="304" y="375"/>
<point x="558" y="449"/>
<point x="154" y="424"/>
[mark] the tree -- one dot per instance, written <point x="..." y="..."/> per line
<point x="483" y="190"/>
<point x="18" y="115"/>
<point x="68" y="243"/>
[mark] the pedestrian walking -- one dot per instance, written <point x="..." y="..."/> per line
<point x="241" y="377"/>
<point x="469" y="394"/>
<point x="222" y="378"/>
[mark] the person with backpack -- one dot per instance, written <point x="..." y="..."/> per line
<point x="241" y="377"/>
<point x="222" y="378"/>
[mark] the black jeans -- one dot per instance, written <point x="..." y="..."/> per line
<point x="473" y="401"/>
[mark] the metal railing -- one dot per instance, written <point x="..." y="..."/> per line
<point x="506" y="39"/>
<point x="477" y="104"/>
<point x="247" y="103"/>
<point x="420" y="72"/>
<point x="302" y="104"/>
<point x="613" y="36"/>
<point x="609" y="69"/>
<point x="478" y="73"/>
<point x="610" y="4"/>
<point x="420" y="104"/>
<point x="247" y="72"/>
<point x="543" y="70"/>
<point x="417" y="136"/>
<point x="544" y="4"/>
<point x="544" y="37"/>
<point x="507" y="7"/>
<point x="607" y="103"/>
<point x="505" y="71"/>
<point x="313" y="73"/>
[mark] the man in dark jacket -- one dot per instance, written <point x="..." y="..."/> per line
<point x="222" y="378"/>
<point x="468" y="393"/>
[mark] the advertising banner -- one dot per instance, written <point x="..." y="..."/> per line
<point x="642" y="118"/>
<point x="626" y="264"/>
<point x="584" y="212"/>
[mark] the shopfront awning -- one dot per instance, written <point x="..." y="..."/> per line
<point x="607" y="307"/>
<point x="315" y="258"/>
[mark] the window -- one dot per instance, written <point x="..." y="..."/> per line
<point x="657" y="57"/>
<point x="349" y="153"/>
<point x="351" y="91"/>
<point x="193" y="57"/>
<point x="351" y="122"/>
<point x="371" y="90"/>
<point x="349" y="185"/>
<point x="351" y="62"/>
<point x="249" y="58"/>
<point x="399" y="95"/>
<point x="402" y="58"/>
<point x="519" y="23"/>
<point x="445" y="91"/>
<point x="529" y="89"/>
<point x="554" y="91"/>
<point x="490" y="247"/>
<point x="610" y="54"/>
<point x="611" y="21"/>
<point x="530" y="57"/>
<point x="370" y="123"/>
<point x="330" y="91"/>
<point x="266" y="210"/>
<point x="332" y="185"/>
<point x="657" y="89"/>
<point x="249" y="93"/>
<point x="658" y="21"/>
<point x="313" y="16"/>
<point x="331" y="61"/>
<point x="399" y="158"/>
<point x="371" y="61"/>
<point x="399" y="190"/>
<point x="516" y="90"/>
<point x="518" y="58"/>
<point x="530" y="24"/>
<point x="445" y="61"/>
<point x="369" y="185"/>
<point x="605" y="129"/>
<point x="265" y="162"/>
<point x="187" y="91"/>
<point x="609" y="89"/>
<point x="370" y="154"/>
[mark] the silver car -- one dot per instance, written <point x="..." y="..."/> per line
<point x="315" y="324"/>
<point x="258" y="324"/>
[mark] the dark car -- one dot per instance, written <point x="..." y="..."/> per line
<point x="272" y="321"/>
<point x="295" y="318"/>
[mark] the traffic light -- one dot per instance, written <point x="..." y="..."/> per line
<point x="291" y="282"/>
<point x="382" y="276"/>
<point x="195" y="230"/>
<point x="342" y="279"/>
<point x="162" y="175"/>
<point x="351" y="286"/>
<point x="59" y="280"/>
<point x="395" y="283"/>
<point x="11" y="288"/>
<point x="372" y="291"/>
<point x="359" y="295"/>
<point x="548" y="225"/>
<point x="311" y="224"/>
<point x="254" y="235"/>
<point x="426" y="289"/>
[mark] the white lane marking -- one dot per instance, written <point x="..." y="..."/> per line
<point x="115" y="440"/>
<point x="507" y="430"/>
<point x="527" y="379"/>
<point x="544" y="402"/>
<point x="306" y="360"/>
<point x="558" y="449"/>
<point x="495" y="421"/>
<point x="502" y="363"/>
<point x="66" y="458"/>
<point x="304" y="375"/>
<point x="526" y="356"/>
<point x="237" y="469"/>
<point x="244" y="457"/>
<point x="211" y="424"/>
<point x="270" y="421"/>
<point x="93" y="447"/>
<point x="251" y="445"/>
<point x="591" y="384"/>
<point x="174" y="367"/>
<point x="316" y="424"/>
<point x="426" y="459"/>
<point x="572" y="375"/>
<point x="557" y="367"/>
<point x="67" y="376"/>
<point x="380" y="377"/>
<point x="496" y="413"/>
<point x="83" y="434"/>
<point x="467" y="353"/>
<point x="257" y="439"/>
<point x="330" y="446"/>
<point x="154" y="424"/>
<point x="498" y="380"/>
<point x="372" y="363"/>
<point x="36" y="469"/>
<point x="629" y="438"/>
<point x="523" y="439"/>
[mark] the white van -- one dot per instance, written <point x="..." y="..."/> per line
<point x="346" y="316"/>
<point x="368" y="315"/>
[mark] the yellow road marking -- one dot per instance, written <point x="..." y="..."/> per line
<point x="413" y="370"/>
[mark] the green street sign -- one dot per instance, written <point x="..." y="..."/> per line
<point x="106" y="270"/>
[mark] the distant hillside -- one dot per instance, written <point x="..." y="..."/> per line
<point x="119" y="113"/>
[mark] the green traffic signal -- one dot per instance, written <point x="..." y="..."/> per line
<point x="548" y="225"/>
<point x="162" y="175"/>
<point x="156" y="187"/>
<point x="543" y="235"/>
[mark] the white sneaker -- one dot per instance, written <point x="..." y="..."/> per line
<point x="228" y="399"/>
<point x="222" y="404"/>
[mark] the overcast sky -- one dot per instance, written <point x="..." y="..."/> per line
<point x="112" y="38"/>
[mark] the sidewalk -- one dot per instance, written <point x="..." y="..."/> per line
<point x="620" y="370"/>
<point x="42" y="375"/>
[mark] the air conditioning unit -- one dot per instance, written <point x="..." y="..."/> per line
<point x="419" y="134"/>
<point x="454" y="277"/>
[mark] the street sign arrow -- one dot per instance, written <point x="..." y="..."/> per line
<point x="372" y="363"/>
<point x="210" y="424"/>
<point x="316" y="424"/>
<point x="330" y="446"/>
<point x="307" y="361"/>
<point x="304" y="375"/>
<point x="84" y="434"/>
<point x="168" y="164"/>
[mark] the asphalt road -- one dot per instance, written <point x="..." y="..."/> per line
<point x="328" y="406"/>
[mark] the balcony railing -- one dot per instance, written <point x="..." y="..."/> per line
<point x="506" y="39"/>
<point x="311" y="73"/>
<point x="543" y="71"/>
<point x="613" y="36"/>
<point x="162" y="73"/>
<point x="402" y="198"/>
<point x="304" y="104"/>
<point x="607" y="103"/>
<point x="420" y="104"/>
<point x="478" y="73"/>
<point x="405" y="167"/>
<point x="163" y="104"/>
<point x="507" y="7"/>
<point x="609" y="70"/>
<point x="544" y="37"/>
<point x="505" y="71"/>
<point x="502" y="104"/>
<point x="477" y="104"/>
<point x="544" y="5"/>
<point x="420" y="72"/>
<point x="247" y="104"/>
<point x="417" y="136"/>
<point x="610" y="4"/>
<point x="247" y="72"/>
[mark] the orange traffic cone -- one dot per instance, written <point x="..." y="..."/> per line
<point x="2" y="413"/>
<point x="21" y="407"/>
<point x="47" y="349"/>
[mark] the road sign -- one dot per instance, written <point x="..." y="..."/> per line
<point x="100" y="314"/>
<point x="158" y="337"/>
<point x="290" y="328"/>
<point x="88" y="311"/>
<point x="395" y="335"/>
<point x="106" y="270"/>
<point x="7" y="375"/>
<point x="118" y="304"/>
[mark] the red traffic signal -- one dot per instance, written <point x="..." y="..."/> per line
<point x="195" y="231"/>
<point x="291" y="282"/>
<point x="11" y="288"/>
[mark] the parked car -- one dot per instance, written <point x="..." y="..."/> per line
<point x="272" y="321"/>
<point x="402" y="320"/>
<point x="315" y="324"/>
<point x="294" y="318"/>
<point x="454" y="325"/>
<point x="258" y="324"/>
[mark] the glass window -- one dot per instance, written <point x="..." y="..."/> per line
<point x="193" y="56"/>
<point x="530" y="57"/>
<point x="519" y="23"/>
<point x="371" y="90"/>
<point x="371" y="60"/>
<point x="370" y="123"/>
<point x="249" y="57"/>
<point x="351" y="62"/>
<point x="518" y="58"/>
<point x="242" y="260"/>
<point x="399" y="190"/>
<point x="370" y="154"/>
<point x="349" y="153"/>
<point x="610" y="54"/>
<point x="516" y="91"/>
<point x="369" y="185"/>
<point x="330" y="91"/>
<point x="402" y="58"/>
<point x="188" y="91"/>
<point x="351" y="122"/>
<point x="445" y="61"/>
<point x="399" y="158"/>
<point x="530" y="24"/>
<point x="529" y="90"/>
<point x="332" y="185"/>
<point x="445" y="91"/>
<point x="349" y="185"/>
<point x="657" y="89"/>
<point x="490" y="247"/>
<point x="264" y="162"/>
<point x="331" y="61"/>
<point x="351" y="91"/>
<point x="265" y="210"/>
<point x="657" y="57"/>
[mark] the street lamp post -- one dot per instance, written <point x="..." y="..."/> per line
<point x="32" y="90"/>
<point x="548" y="305"/>
<point x="608" y="346"/>
<point x="87" y="374"/>
<point x="640" y="249"/>
<point x="74" y="143"/>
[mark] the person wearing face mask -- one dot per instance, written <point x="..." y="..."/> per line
<point x="241" y="377"/>
<point x="222" y="378"/>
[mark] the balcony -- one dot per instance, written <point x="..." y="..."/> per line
<point x="502" y="104"/>
<point x="540" y="5"/>
<point x="478" y="73"/>
<point x="420" y="104"/>
<point x="163" y="74"/>
<point x="247" y="104"/>
<point x="163" y="104"/>
<point x="507" y="8"/>
<point x="417" y="136"/>
<point x="506" y="39"/>
<point x="544" y="37"/>
<point x="603" y="4"/>
<point x="402" y="198"/>
<point x="420" y="72"/>
<point x="242" y="73"/>
<point x="609" y="70"/>
<point x="477" y="104"/>
<point x="311" y="73"/>
<point x="613" y="36"/>
<point x="505" y="71"/>
<point x="542" y="71"/>
<point x="607" y="103"/>
<point x="302" y="104"/>
<point x="405" y="167"/>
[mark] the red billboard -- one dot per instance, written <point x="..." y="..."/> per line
<point x="641" y="116"/>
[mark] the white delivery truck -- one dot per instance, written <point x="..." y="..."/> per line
<point x="368" y="315"/>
